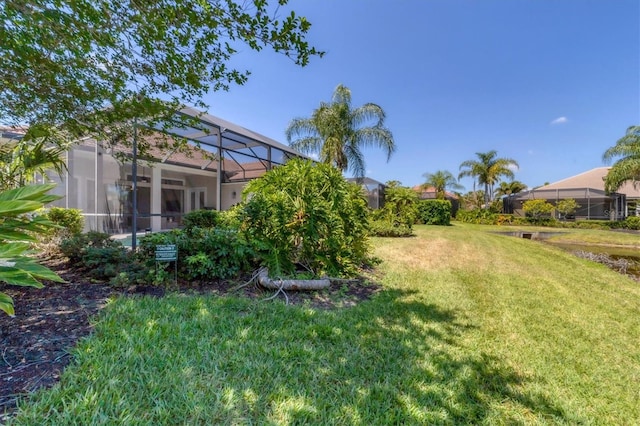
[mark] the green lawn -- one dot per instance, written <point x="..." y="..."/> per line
<point x="470" y="327"/>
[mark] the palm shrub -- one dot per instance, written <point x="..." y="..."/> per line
<point x="434" y="212"/>
<point x="308" y="215"/>
<point x="17" y="231"/>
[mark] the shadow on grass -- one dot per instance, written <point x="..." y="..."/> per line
<point x="212" y="360"/>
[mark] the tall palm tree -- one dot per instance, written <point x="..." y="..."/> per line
<point x="441" y="181"/>
<point x="337" y="132"/>
<point x="488" y="169"/>
<point x="627" y="168"/>
<point x="508" y="188"/>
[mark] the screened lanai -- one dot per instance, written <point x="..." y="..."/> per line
<point x="594" y="203"/>
<point x="119" y="195"/>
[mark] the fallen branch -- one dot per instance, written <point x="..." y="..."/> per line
<point x="265" y="281"/>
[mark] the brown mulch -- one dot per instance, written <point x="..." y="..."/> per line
<point x="34" y="345"/>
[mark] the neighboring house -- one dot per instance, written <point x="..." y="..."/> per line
<point x="430" y="193"/>
<point x="588" y="190"/>
<point x="373" y="189"/>
<point x="212" y="175"/>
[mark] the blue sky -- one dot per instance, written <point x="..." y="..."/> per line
<point x="549" y="83"/>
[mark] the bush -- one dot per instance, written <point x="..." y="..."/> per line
<point x="214" y="253"/>
<point x="201" y="219"/>
<point x="632" y="222"/>
<point x="434" y="212"/>
<point x="477" y="216"/>
<point x="567" y="207"/>
<point x="538" y="211"/>
<point x="75" y="247"/>
<point x="71" y="221"/>
<point x="307" y="214"/>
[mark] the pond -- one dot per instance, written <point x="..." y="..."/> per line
<point x="622" y="259"/>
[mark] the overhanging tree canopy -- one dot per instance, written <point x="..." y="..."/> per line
<point x="64" y="61"/>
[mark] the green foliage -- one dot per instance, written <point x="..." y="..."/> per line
<point x="104" y="262"/>
<point x="538" y="211"/>
<point x="627" y="166"/>
<point x="487" y="170"/>
<point x="441" y="181"/>
<point x="82" y="55"/>
<point x="70" y="221"/>
<point x="201" y="219"/>
<point x="16" y="231"/>
<point x="338" y="132"/>
<point x="477" y="216"/>
<point x="632" y="222"/>
<point x="307" y="214"/>
<point x="567" y="207"/>
<point x="76" y="246"/>
<point x="434" y="212"/>
<point x="203" y="253"/>
<point x="400" y="206"/>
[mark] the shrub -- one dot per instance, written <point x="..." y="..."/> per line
<point x="538" y="211"/>
<point x="477" y="216"/>
<point x="400" y="206"/>
<point x="71" y="221"/>
<point x="434" y="212"/>
<point x="201" y="219"/>
<point x="104" y="262"/>
<point x="75" y="247"/>
<point x="632" y="222"/>
<point x="307" y="214"/>
<point x="214" y="253"/>
<point x="567" y="207"/>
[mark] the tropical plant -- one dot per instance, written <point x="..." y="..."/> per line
<point x="509" y="188"/>
<point x="68" y="59"/>
<point x="487" y="170"/>
<point x="627" y="167"/>
<point x="38" y="152"/>
<point x="337" y="132"/>
<point x="472" y="200"/>
<point x="441" y="181"/>
<point x="434" y="212"/>
<point x="17" y="230"/>
<point x="567" y="207"/>
<point x="400" y="206"/>
<point x="307" y="215"/>
<point x="538" y="210"/>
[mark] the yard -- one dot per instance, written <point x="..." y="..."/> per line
<point x="468" y="327"/>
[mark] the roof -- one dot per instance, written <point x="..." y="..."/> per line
<point x="430" y="192"/>
<point x="593" y="179"/>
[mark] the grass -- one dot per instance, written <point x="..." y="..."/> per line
<point x="471" y="328"/>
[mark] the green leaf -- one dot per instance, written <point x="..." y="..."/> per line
<point x="38" y="271"/>
<point x="6" y="304"/>
<point x="16" y="207"/>
<point x="31" y="192"/>
<point x="16" y="276"/>
<point x="9" y="235"/>
<point x="12" y="250"/>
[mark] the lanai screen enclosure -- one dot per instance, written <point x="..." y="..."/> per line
<point x="153" y="193"/>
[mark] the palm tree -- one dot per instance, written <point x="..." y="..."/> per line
<point x="441" y="181"/>
<point x="39" y="151"/>
<point x="338" y="132"/>
<point x="627" y="168"/>
<point x="508" y="188"/>
<point x="487" y="170"/>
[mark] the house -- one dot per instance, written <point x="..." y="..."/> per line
<point x="373" y="189"/>
<point x="587" y="189"/>
<point x="430" y="193"/>
<point x="220" y="158"/>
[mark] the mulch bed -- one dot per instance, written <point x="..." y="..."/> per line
<point x="34" y="345"/>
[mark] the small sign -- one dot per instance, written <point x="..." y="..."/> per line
<point x="166" y="253"/>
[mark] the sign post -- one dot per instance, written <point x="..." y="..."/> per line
<point x="168" y="253"/>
